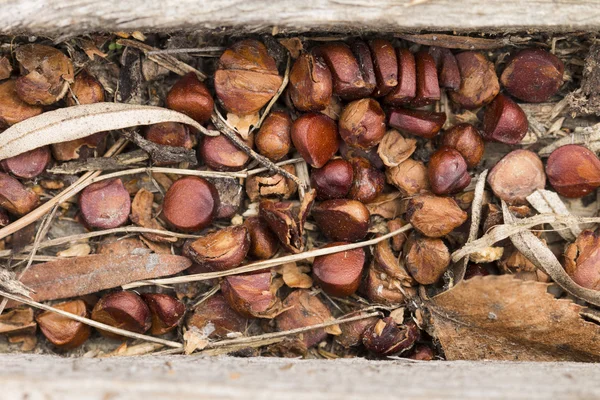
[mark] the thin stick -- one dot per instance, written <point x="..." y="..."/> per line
<point x="266" y="263"/>
<point x="209" y="49"/>
<point x="90" y="322"/>
<point x="63" y="196"/>
<point x="286" y="79"/>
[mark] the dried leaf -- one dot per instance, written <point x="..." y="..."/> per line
<point x="29" y="341"/>
<point x="487" y="255"/>
<point x="455" y="42"/>
<point x="76" y="122"/>
<point x="77" y="276"/>
<point x="19" y="321"/>
<point x="76" y="250"/>
<point x="502" y="318"/>
<point x="90" y="49"/>
<point x="141" y="215"/>
<point x="388" y="205"/>
<point x="546" y="201"/>
<point x="243" y="123"/>
<point x="293" y="45"/>
<point x="195" y="339"/>
<point x="395" y="148"/>
<point x="295" y="276"/>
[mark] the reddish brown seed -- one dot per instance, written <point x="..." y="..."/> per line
<point x="582" y="260"/>
<point x="348" y="80"/>
<point x="12" y="108"/>
<point x="85" y="90"/>
<point x="447" y="171"/>
<point x="426" y="258"/>
<point x="428" y="88"/>
<point x="573" y="171"/>
<point x="368" y="181"/>
<point x="263" y="242"/>
<point x="45" y="74"/>
<point x="333" y="180"/>
<point x="342" y="220"/>
<point x="273" y="140"/>
<point x="191" y="97"/>
<point x="352" y="331"/>
<point x="421" y="123"/>
<point x="365" y="62"/>
<point x="474" y="270"/>
<point x="406" y="89"/>
<point x="479" y="82"/>
<point x="447" y="66"/>
<point x="315" y="136"/>
<point x="221" y="250"/>
<point x="190" y="204"/>
<point x="504" y="121"/>
<point x="219" y="153"/>
<point x="123" y="310"/>
<point x="386" y="338"/>
<point x="246" y="77"/>
<point x="385" y="64"/>
<point x="434" y="216"/>
<point x="362" y="123"/>
<point x="29" y="164"/>
<point x="105" y="204"/>
<point x="410" y="177"/>
<point x="166" y="312"/>
<point x="339" y="274"/>
<point x="251" y="295"/>
<point x="216" y="316"/>
<point x="15" y="197"/>
<point x="303" y="309"/>
<point x="380" y="288"/>
<point x="64" y="332"/>
<point x="533" y="75"/>
<point x="89" y="146"/>
<point x="517" y="175"/>
<point x="169" y="134"/>
<point x="310" y="83"/>
<point x="467" y="140"/>
<point x="287" y="221"/>
<point x="422" y="352"/>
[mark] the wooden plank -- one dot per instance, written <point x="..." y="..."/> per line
<point x="66" y="17"/>
<point x="193" y="377"/>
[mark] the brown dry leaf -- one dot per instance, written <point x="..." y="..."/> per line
<point x="295" y="276"/>
<point x="141" y="215"/>
<point x="243" y="123"/>
<point x="293" y="45"/>
<point x="395" y="148"/>
<point x="29" y="341"/>
<point x="503" y="318"/>
<point x="388" y="205"/>
<point x="156" y="247"/>
<point x="5" y="68"/>
<point x="455" y="42"/>
<point x="90" y="49"/>
<point x="77" y="276"/>
<point x="76" y="250"/>
<point x="18" y="322"/>
<point x="194" y="339"/>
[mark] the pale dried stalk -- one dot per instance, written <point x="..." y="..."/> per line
<point x="584" y="136"/>
<point x="207" y="49"/>
<point x="90" y="322"/>
<point x="286" y="79"/>
<point x="266" y="263"/>
<point x="63" y="196"/>
<point x="546" y="201"/>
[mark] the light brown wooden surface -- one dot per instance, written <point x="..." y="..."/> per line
<point x="65" y="17"/>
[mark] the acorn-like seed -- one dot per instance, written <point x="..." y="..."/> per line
<point x="504" y="121"/>
<point x="333" y="180"/>
<point x="479" y="82"/>
<point x="573" y="171"/>
<point x="124" y="310"/>
<point x="406" y="90"/>
<point x="310" y="83"/>
<point x="190" y="204"/>
<point x="342" y="220"/>
<point x="315" y="136"/>
<point x="467" y="140"/>
<point x="339" y="274"/>
<point x="221" y="250"/>
<point x="273" y="140"/>
<point x="191" y="97"/>
<point x="105" y="204"/>
<point x="447" y="171"/>
<point x="517" y="175"/>
<point x="362" y="123"/>
<point x="425" y="124"/>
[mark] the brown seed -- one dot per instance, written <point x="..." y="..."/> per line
<point x="533" y="75"/>
<point x="365" y="62"/>
<point x="395" y="148"/>
<point x="85" y="90"/>
<point x="166" y="312"/>
<point x="273" y="139"/>
<point x="191" y="97"/>
<point x="352" y="331"/>
<point x="348" y="80"/>
<point x="339" y="274"/>
<point x="252" y="295"/>
<point x="504" y="121"/>
<point x="422" y="352"/>
<point x="123" y="310"/>
<point x="410" y="177"/>
<point x="434" y="216"/>
<point x="582" y="260"/>
<point x="428" y="88"/>
<point x="246" y="77"/>
<point x="12" y="108"/>
<point x="362" y="123"/>
<point x="315" y="136"/>
<point x="15" y="197"/>
<point x="64" y="332"/>
<point x="387" y="262"/>
<point x="221" y="250"/>
<point x="406" y="89"/>
<point x="89" y="146"/>
<point x="219" y="153"/>
<point x="169" y="134"/>
<point x="398" y="240"/>
<point x="45" y="74"/>
<point x="447" y="171"/>
<point x="467" y="140"/>
<point x="342" y="220"/>
<point x="333" y="180"/>
<point x="573" y="171"/>
<point x="385" y="64"/>
<point x="479" y="82"/>
<point x="216" y="316"/>
<point x="303" y="309"/>
<point x="267" y="185"/>
<point x="310" y="83"/>
<point x="380" y="288"/>
<point x="263" y="242"/>
<point x="447" y="67"/>
<point x="105" y="204"/>
<point x="517" y="175"/>
<point x="368" y="181"/>
<point x="29" y="164"/>
<point x="190" y="204"/>
<point x="426" y="258"/>
<point x="421" y="123"/>
<point x="386" y="338"/>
